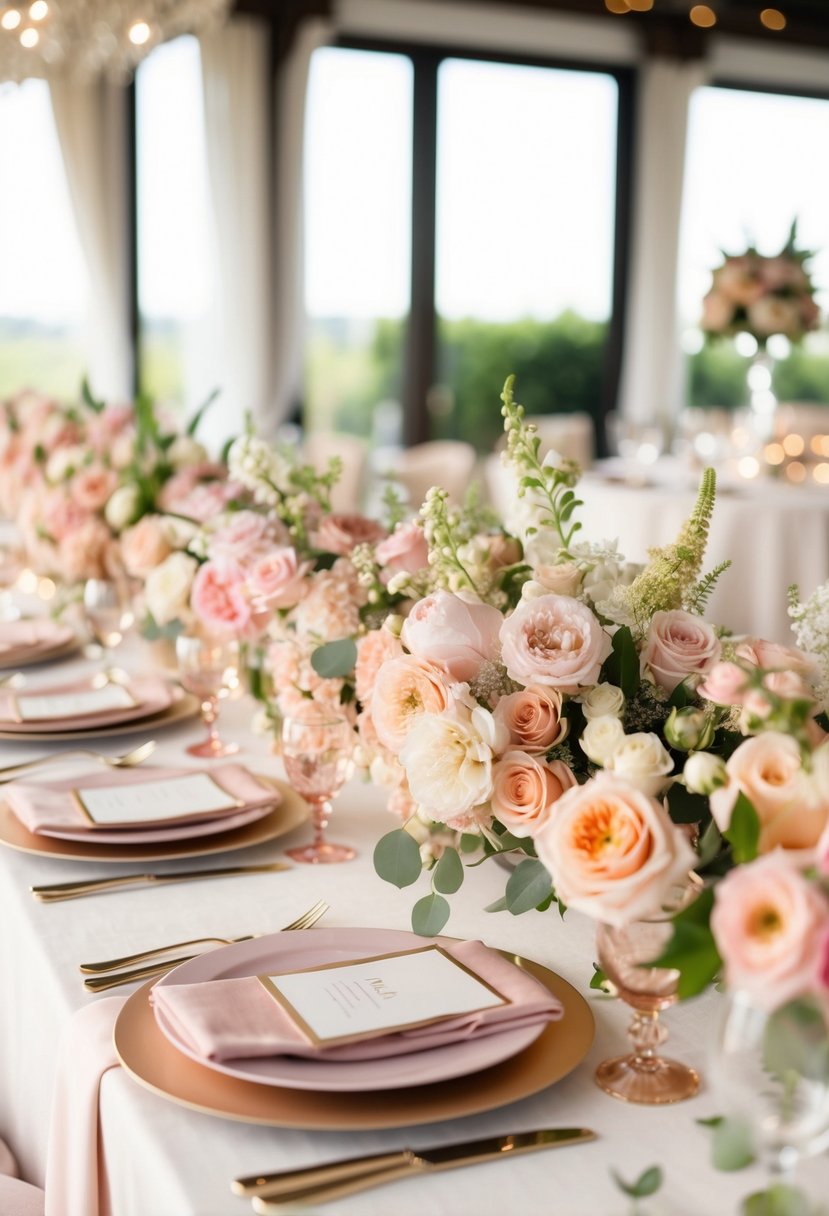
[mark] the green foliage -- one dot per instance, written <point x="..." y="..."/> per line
<point x="529" y="885"/>
<point x="648" y="1183"/>
<point x="743" y="832"/>
<point x="795" y="1045"/>
<point x="692" y="950"/>
<point x="429" y="915"/>
<point x="195" y="422"/>
<point x="622" y="666"/>
<point x="397" y="858"/>
<point x="732" y="1144"/>
<point x="335" y="659"/>
<point x="447" y="875"/>
<point x="780" y="1200"/>
<point x="685" y="807"/>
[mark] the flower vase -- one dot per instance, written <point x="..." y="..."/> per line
<point x="762" y="401"/>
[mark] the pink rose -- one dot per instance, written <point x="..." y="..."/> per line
<point x="458" y="634"/>
<point x="340" y="533"/>
<point x="724" y="684"/>
<point x="278" y="579"/>
<point x="404" y="690"/>
<point x="144" y="546"/>
<point x="217" y="598"/>
<point x="613" y="852"/>
<point x="554" y="640"/>
<point x="373" y="649"/>
<point x="769" y="924"/>
<point x="771" y="656"/>
<point x="92" y="485"/>
<point x="792" y="805"/>
<point x="84" y="552"/>
<point x="564" y="579"/>
<point x="678" y="645"/>
<point x="533" y="718"/>
<point x="405" y="551"/>
<point x="61" y="515"/>
<point x="246" y="535"/>
<point x="524" y="790"/>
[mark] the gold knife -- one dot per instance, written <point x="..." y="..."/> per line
<point x="53" y="892"/>
<point x="322" y="1183"/>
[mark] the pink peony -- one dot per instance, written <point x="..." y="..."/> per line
<point x="246" y="535"/>
<point x="769" y="924"/>
<point x="144" y="546"/>
<point x="374" y="649"/>
<point x="678" y="645"/>
<point x="217" y="598"/>
<point x="458" y="634"/>
<point x="84" y="552"/>
<point x="92" y="485"/>
<point x="533" y="718"/>
<point x="340" y="533"/>
<point x="524" y="790"/>
<point x="405" y="551"/>
<point x="277" y="579"/>
<point x="556" y="641"/>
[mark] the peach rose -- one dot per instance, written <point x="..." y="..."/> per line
<point x="404" y="690"/>
<point x="373" y="650"/>
<point x="92" y="486"/>
<point x="724" y="684"/>
<point x="340" y="533"/>
<point x="277" y="579"/>
<point x="144" y="546"/>
<point x="405" y="551"/>
<point x="678" y="645"/>
<point x="524" y="790"/>
<point x="554" y="640"/>
<point x="613" y="852"/>
<point x="459" y="634"/>
<point x="84" y="552"/>
<point x="533" y="718"/>
<point x="564" y="579"/>
<point x="793" y="807"/>
<point x="218" y="600"/>
<point x="769" y="924"/>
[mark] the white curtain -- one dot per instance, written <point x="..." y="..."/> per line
<point x="90" y="121"/>
<point x="651" y="387"/>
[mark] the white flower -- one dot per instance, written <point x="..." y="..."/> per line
<point x="167" y="588"/>
<point x="122" y="450"/>
<point x="178" y="532"/>
<point x="601" y="738"/>
<point x="185" y="451"/>
<point x="643" y="761"/>
<point x="704" y="773"/>
<point x="63" y="462"/>
<point x="603" y="699"/>
<point x="448" y="766"/>
<point x="122" y="507"/>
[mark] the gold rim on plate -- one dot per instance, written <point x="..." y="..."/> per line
<point x="288" y="814"/>
<point x="179" y="710"/>
<point x="62" y="651"/>
<point x="151" y="1059"/>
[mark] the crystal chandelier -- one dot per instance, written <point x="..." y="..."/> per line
<point x="89" y="38"/>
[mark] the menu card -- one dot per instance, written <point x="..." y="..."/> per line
<point x="346" y="1002"/>
<point x="46" y="706"/>
<point x="174" y="800"/>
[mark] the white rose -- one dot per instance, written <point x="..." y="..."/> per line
<point x="63" y="462"/>
<point x="449" y="767"/>
<point x="122" y="450"/>
<point x="122" y="507"/>
<point x="167" y="588"/>
<point x="601" y="700"/>
<point x="185" y="450"/>
<point x="601" y="738"/>
<point x="643" y="761"/>
<point x="178" y="532"/>
<point x="704" y="773"/>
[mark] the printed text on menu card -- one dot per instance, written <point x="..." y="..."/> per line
<point x="175" y="798"/>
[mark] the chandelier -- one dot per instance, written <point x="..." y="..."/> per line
<point x="85" y="39"/>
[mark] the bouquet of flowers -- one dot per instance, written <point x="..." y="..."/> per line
<point x="761" y="296"/>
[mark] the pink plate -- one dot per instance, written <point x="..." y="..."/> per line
<point x="288" y="951"/>
<point x="178" y="831"/>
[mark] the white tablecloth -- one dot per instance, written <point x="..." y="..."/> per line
<point x="164" y="1160"/>
<point x="774" y="534"/>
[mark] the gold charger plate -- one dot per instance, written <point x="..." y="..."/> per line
<point x="151" y="1059"/>
<point x="289" y="814"/>
<point x="45" y="656"/>
<point x="183" y="706"/>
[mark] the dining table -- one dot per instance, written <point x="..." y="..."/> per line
<point x="161" y="1158"/>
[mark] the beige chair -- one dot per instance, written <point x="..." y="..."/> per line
<point x="320" y="446"/>
<point x="447" y="463"/>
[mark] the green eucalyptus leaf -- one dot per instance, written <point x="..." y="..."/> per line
<point x="429" y="915"/>
<point x="796" y="1045"/>
<point x="447" y="875"/>
<point x="335" y="659"/>
<point x="692" y="950"/>
<point x="778" y="1200"/>
<point x="397" y="858"/>
<point x="648" y="1183"/>
<point x="743" y="832"/>
<point x="710" y="844"/>
<point x="470" y="842"/>
<point x="732" y="1147"/>
<point x="86" y="393"/>
<point x="528" y="886"/>
<point x="500" y="905"/>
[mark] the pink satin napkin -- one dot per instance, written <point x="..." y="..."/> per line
<point x="76" y="1181"/>
<point x="21" y="640"/>
<point x="151" y="695"/>
<point x="49" y="806"/>
<point x="239" y="1019"/>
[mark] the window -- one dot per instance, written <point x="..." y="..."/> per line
<point x="43" y="284"/>
<point x="175" y="245"/>
<point x="752" y="167"/>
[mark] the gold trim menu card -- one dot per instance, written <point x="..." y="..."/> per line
<point x="174" y="800"/>
<point x="48" y="706"/>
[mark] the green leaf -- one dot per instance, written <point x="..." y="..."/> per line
<point x="692" y="950"/>
<point x="470" y="842"/>
<point x="429" y="915"/>
<point x="648" y="1183"/>
<point x="795" y="1045"/>
<point x="195" y="421"/>
<point x="685" y="807"/>
<point x="680" y="697"/>
<point x="86" y="393"/>
<point x="335" y="659"/>
<point x="599" y="982"/>
<point x="743" y="832"/>
<point x="397" y="858"/>
<point x="529" y="885"/>
<point x="732" y="1147"/>
<point x="710" y="844"/>
<point x="622" y="668"/>
<point x="447" y="875"/>
<point x="500" y="905"/>
<point x="714" y="1121"/>
<point x="778" y="1200"/>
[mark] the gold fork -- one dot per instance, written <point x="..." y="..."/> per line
<point x="102" y="983"/>
<point x="129" y="760"/>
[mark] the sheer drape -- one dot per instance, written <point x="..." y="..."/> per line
<point x="91" y="126"/>
<point x="651" y="388"/>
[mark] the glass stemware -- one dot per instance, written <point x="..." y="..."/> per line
<point x="11" y="567"/>
<point x="316" y="751"/>
<point x="209" y="668"/>
<point x="643" y="1075"/>
<point x="109" y="614"/>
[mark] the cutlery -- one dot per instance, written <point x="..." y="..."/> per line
<point x="321" y="1184"/>
<point x="129" y="760"/>
<point x="102" y="983"/>
<point x="129" y="960"/>
<point x="52" y="893"/>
